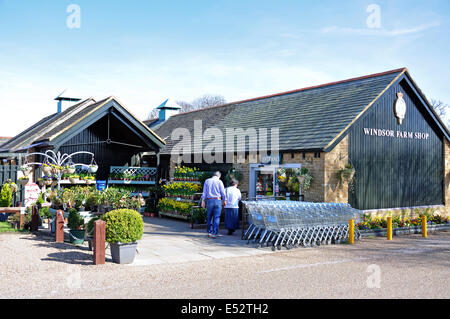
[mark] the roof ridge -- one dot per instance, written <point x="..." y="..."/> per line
<point x="299" y="90"/>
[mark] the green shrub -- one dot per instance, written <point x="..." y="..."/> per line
<point x="123" y="226"/>
<point x="45" y="212"/>
<point x="90" y="226"/>
<point x="75" y="221"/>
<point x="5" y="196"/>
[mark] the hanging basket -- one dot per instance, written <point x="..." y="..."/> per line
<point x="26" y="170"/>
<point x="70" y="170"/>
<point x="93" y="169"/>
<point x="24" y="182"/>
<point x="47" y="170"/>
<point x="73" y="180"/>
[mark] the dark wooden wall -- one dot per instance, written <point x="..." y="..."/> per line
<point x="106" y="155"/>
<point x="396" y="172"/>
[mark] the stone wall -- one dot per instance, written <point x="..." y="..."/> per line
<point x="315" y="165"/>
<point x="335" y="190"/>
<point x="410" y="212"/>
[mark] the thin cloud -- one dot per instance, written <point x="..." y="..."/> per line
<point x="379" y="32"/>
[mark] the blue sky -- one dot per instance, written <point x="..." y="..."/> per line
<point x="143" y="52"/>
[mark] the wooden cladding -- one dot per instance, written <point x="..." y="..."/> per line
<point x="396" y="165"/>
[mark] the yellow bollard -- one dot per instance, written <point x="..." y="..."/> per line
<point x="424" y="226"/>
<point x="389" y="228"/>
<point x="351" y="231"/>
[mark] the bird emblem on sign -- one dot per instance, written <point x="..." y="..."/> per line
<point x="400" y="108"/>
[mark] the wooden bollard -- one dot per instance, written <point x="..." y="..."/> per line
<point x="35" y="219"/>
<point x="59" y="227"/>
<point x="98" y="245"/>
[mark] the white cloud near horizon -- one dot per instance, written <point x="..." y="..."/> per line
<point x="379" y="32"/>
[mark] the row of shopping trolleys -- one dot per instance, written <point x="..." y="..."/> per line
<point x="293" y="224"/>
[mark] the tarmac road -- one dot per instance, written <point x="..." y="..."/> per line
<point x="407" y="267"/>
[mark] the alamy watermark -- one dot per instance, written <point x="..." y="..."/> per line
<point x="215" y="145"/>
<point x="74" y="19"/>
<point x="374" y="19"/>
<point x="374" y="279"/>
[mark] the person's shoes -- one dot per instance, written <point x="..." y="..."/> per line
<point x="213" y="236"/>
<point x="210" y="235"/>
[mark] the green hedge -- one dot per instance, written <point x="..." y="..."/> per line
<point x="123" y="226"/>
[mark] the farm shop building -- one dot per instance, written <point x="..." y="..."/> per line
<point x="382" y="124"/>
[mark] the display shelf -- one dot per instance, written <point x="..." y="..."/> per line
<point x="175" y="215"/>
<point x="122" y="182"/>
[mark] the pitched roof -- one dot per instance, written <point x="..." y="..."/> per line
<point x="308" y="118"/>
<point x="52" y="127"/>
<point x="43" y="126"/>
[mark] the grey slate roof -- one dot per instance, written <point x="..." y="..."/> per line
<point x="308" y="119"/>
<point x="40" y="128"/>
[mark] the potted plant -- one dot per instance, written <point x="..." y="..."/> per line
<point x="124" y="227"/>
<point x="93" y="168"/>
<point x="70" y="169"/>
<point x="46" y="168"/>
<point x="26" y="170"/>
<point x="74" y="178"/>
<point x="23" y="180"/>
<point x="76" y="226"/>
<point x="90" y="231"/>
<point x="347" y="173"/>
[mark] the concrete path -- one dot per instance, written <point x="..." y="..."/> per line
<point x="172" y="241"/>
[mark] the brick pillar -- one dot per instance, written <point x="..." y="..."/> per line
<point x="99" y="242"/>
<point x="59" y="226"/>
<point x="35" y="219"/>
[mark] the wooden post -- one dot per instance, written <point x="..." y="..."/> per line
<point x="35" y="219"/>
<point x="59" y="226"/>
<point x="98" y="245"/>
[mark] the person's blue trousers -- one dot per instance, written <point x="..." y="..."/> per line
<point x="213" y="209"/>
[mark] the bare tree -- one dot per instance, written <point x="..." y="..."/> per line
<point x="441" y="109"/>
<point x="207" y="100"/>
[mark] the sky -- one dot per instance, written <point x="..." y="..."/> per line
<point x="143" y="52"/>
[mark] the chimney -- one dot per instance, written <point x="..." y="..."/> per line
<point x="66" y="96"/>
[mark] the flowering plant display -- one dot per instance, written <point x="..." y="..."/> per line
<point x="378" y="222"/>
<point x="170" y="205"/>
<point x="183" y="173"/>
<point x="181" y="189"/>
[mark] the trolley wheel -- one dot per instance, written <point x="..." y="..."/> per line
<point x="273" y="248"/>
<point x="279" y="247"/>
<point x="288" y="247"/>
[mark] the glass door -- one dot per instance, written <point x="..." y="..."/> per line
<point x="264" y="183"/>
